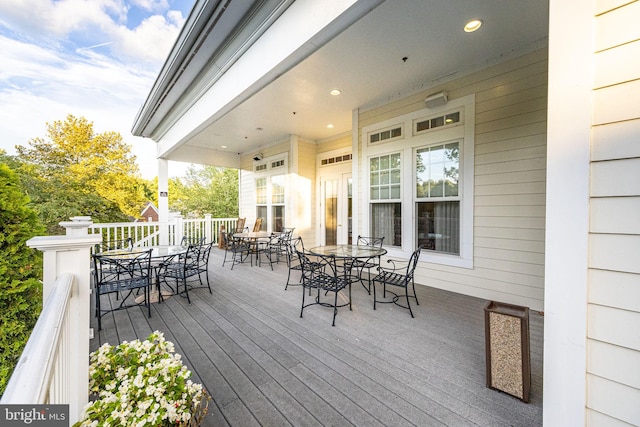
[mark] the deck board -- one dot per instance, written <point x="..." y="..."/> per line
<point x="264" y="365"/>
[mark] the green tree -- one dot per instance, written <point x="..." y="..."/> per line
<point x="78" y="172"/>
<point x="207" y="189"/>
<point x="20" y="272"/>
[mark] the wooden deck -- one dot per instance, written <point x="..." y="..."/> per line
<point x="264" y="365"/>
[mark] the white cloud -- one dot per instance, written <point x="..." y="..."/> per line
<point x="78" y="57"/>
<point x="100" y="22"/>
<point x="93" y="87"/>
<point x="151" y="5"/>
<point x="150" y="41"/>
<point x="42" y="19"/>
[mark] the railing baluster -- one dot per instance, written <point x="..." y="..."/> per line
<point x="148" y="233"/>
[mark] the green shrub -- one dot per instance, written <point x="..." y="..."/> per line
<point x="20" y="272"/>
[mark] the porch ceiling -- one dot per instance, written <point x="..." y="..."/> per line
<point x="366" y="63"/>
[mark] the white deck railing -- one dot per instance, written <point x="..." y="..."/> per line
<point x="54" y="366"/>
<point x="163" y="233"/>
<point x="42" y="374"/>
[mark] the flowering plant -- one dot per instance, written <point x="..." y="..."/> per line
<point x="142" y="383"/>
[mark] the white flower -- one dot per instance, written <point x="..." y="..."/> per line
<point x="136" y="384"/>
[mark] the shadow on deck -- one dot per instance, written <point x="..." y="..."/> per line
<point x="264" y="365"/>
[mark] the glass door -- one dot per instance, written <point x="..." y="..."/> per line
<point x="330" y="212"/>
<point x="346" y="224"/>
<point x="336" y="202"/>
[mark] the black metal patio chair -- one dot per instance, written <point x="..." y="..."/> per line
<point x="398" y="276"/>
<point x="187" y="240"/>
<point x="359" y="265"/>
<point x="189" y="265"/>
<point x="127" y="272"/>
<point x="265" y="248"/>
<point x="239" y="249"/>
<point x="282" y="243"/>
<point x="324" y="277"/>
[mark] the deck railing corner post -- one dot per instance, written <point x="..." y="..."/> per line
<point x="72" y="254"/>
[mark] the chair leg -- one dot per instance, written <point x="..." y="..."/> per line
<point x="413" y="285"/>
<point x="98" y="312"/>
<point x="406" y="293"/>
<point x="374" y="295"/>
<point x="288" y="278"/>
<point x="208" y="284"/>
<point x="360" y="271"/>
<point x="335" y="308"/>
<point x="302" y="309"/>
<point x="186" y="289"/>
<point x="160" y="297"/>
<point x="147" y="298"/>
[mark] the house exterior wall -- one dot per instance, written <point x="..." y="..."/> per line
<point x="509" y="199"/>
<point x="300" y="185"/>
<point x="613" y="310"/>
<point x="247" y="194"/>
<point x="336" y="143"/>
<point x="303" y="195"/>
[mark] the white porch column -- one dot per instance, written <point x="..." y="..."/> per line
<point x="567" y="213"/>
<point x="72" y="254"/>
<point x="179" y="230"/>
<point x="163" y="200"/>
<point x="208" y="230"/>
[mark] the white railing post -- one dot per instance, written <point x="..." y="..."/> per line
<point x="208" y="231"/>
<point x="179" y="231"/>
<point x="71" y="254"/>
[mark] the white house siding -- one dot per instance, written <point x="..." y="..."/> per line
<point x="335" y="143"/>
<point x="613" y="331"/>
<point x="304" y="197"/>
<point x="510" y="168"/>
<point x="247" y="195"/>
<point x="300" y="190"/>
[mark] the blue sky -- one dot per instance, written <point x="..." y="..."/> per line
<point x="91" y="58"/>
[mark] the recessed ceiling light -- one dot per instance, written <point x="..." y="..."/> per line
<point x="473" y="25"/>
<point x="335" y="92"/>
<point x="223" y="146"/>
<point x="330" y="126"/>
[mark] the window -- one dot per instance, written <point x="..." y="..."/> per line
<point x="261" y="199"/>
<point x="420" y="185"/>
<point x="386" y="135"/>
<point x="336" y="159"/>
<point x="384" y="187"/>
<point x="261" y="191"/>
<point x="386" y="221"/>
<point x="270" y="193"/>
<point x="423" y="125"/>
<point x="261" y="212"/>
<point x="437" y="198"/>
<point x="277" y="202"/>
<point x="385" y="177"/>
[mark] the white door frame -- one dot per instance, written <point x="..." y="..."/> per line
<point x="340" y="173"/>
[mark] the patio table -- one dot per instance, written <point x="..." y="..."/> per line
<point x="348" y="251"/>
<point x="159" y="255"/>
<point x="254" y="238"/>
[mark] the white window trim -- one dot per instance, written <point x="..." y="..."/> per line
<point x="464" y="132"/>
<point x="268" y="174"/>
